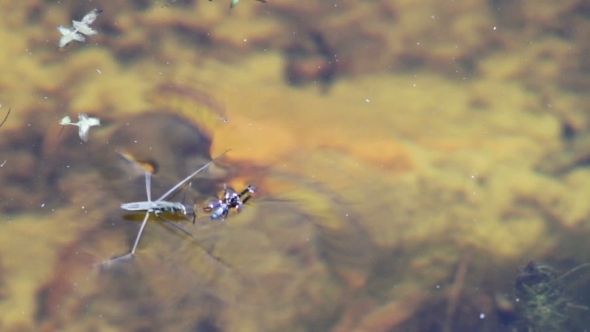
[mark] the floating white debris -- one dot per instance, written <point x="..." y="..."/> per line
<point x="84" y="123"/>
<point x="235" y="2"/>
<point x="65" y="121"/>
<point x="79" y="28"/>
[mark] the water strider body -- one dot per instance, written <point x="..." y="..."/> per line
<point x="160" y="207"/>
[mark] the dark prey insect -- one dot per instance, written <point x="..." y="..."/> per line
<point x="230" y="199"/>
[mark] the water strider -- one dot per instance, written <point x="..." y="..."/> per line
<point x="160" y="206"/>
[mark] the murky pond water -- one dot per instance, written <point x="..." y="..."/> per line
<point x="410" y="160"/>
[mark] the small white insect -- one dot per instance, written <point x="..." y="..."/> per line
<point x="84" y="123"/>
<point x="79" y="28"/>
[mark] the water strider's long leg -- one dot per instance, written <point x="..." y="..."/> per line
<point x="147" y="215"/>
<point x="148" y="185"/>
<point x="188" y="178"/>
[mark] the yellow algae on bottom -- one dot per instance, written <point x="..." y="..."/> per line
<point x="509" y="239"/>
<point x="257" y="141"/>
<point x="385" y="171"/>
<point x="574" y="207"/>
<point x="29" y="258"/>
